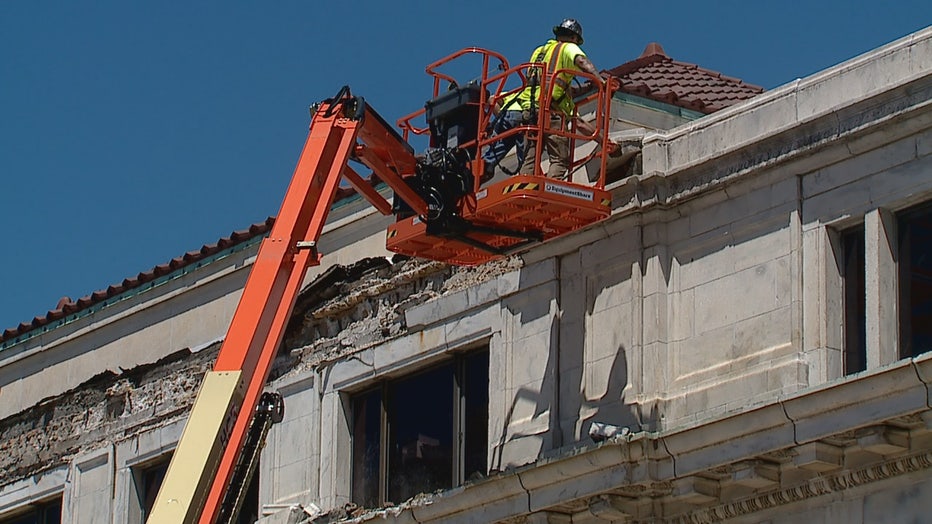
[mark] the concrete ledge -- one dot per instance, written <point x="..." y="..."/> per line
<point x="729" y="439"/>
<point x="858" y="400"/>
<point x="33" y="489"/>
<point x="788" y="106"/>
<point x="456" y="304"/>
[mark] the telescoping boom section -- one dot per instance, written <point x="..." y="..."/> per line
<point x="442" y="213"/>
<point x="203" y="463"/>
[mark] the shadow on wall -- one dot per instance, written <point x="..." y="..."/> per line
<point x="594" y="347"/>
<point x="561" y="395"/>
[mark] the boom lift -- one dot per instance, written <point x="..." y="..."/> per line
<point x="441" y="212"/>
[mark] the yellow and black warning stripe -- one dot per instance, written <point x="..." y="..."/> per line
<point x="530" y="186"/>
<point x="606" y="201"/>
<point x="392" y="233"/>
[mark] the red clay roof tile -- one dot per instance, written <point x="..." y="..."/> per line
<point x="656" y="76"/>
<point x="67" y="306"/>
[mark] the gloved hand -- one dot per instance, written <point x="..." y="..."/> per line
<point x="612" y="148"/>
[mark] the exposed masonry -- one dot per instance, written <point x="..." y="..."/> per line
<point x="106" y="409"/>
<point x="345" y="310"/>
<point x="338" y="315"/>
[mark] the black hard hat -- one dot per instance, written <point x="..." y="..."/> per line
<point x="570" y="25"/>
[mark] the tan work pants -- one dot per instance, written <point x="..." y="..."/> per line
<point x="557" y="148"/>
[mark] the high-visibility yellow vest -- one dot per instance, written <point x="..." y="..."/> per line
<point x="557" y="55"/>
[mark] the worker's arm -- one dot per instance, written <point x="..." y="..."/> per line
<point x="586" y="128"/>
<point x="584" y="64"/>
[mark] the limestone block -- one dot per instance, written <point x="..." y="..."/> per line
<point x="655" y="319"/>
<point x="335" y="461"/>
<point x="351" y="370"/>
<point x="682" y="312"/>
<point x="472" y="326"/>
<point x="859" y="167"/>
<point x="656" y="263"/>
<point x="819" y="457"/>
<point x="851" y="199"/>
<point x="92" y="486"/>
<point x="920" y="51"/>
<point x="821" y="296"/>
<point x="703" y="260"/>
<point x="755" y="475"/>
<point x="532" y="360"/>
<point x="11" y="398"/>
<point x="572" y="344"/>
<point x="610" y="330"/>
<point x="404" y="353"/>
<point x="784" y="190"/>
<point x="769" y="114"/>
<point x="729" y="439"/>
<point x="906" y="179"/>
<point x="37" y="487"/>
<point x="829" y="178"/>
<point x="883" y="440"/>
<point x="923" y="364"/>
<point x="880" y="278"/>
<point x="785" y="375"/>
<point x="924" y="142"/>
<point x="528" y="410"/>
<point x="653" y="233"/>
<point x="292" y="440"/>
<point x="623" y="243"/>
<point x="881" y="394"/>
<point x="762" y="246"/>
<point x="695" y="490"/>
<point x="856" y="79"/>
<point x="677" y="230"/>
<point x="532" y="275"/>
<point x="606" y="379"/>
<point x="293" y="514"/>
<point x="531" y="311"/>
<point x="150" y="444"/>
<point x="765" y="337"/>
<point x="481" y="502"/>
<point x="523" y="447"/>
<point x="610" y="285"/>
<point x="291" y="483"/>
<point x="742" y="295"/>
<point x="436" y="310"/>
<point x="727" y="212"/>
<point x="582" y="484"/>
<point x="691" y="358"/>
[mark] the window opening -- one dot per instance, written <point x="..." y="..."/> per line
<point x="855" y="350"/>
<point x="421" y="433"/>
<point x="46" y="512"/>
<point x="914" y="233"/>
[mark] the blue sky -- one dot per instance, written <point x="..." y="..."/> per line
<point x="133" y="132"/>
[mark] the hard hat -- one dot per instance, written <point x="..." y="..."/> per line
<point x="570" y="25"/>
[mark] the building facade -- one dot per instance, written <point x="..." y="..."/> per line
<point x="744" y="340"/>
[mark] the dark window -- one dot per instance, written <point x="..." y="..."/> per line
<point x="148" y="481"/>
<point x="421" y="433"/>
<point x="855" y="354"/>
<point x="149" y="477"/>
<point x="914" y="232"/>
<point x="47" y="512"/>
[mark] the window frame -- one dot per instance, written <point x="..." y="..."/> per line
<point x="460" y="396"/>
<point x="905" y="228"/>
<point x="37" y="509"/>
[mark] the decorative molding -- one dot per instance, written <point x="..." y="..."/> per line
<point x="816" y="487"/>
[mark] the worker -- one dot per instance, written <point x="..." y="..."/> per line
<point x="561" y="52"/>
